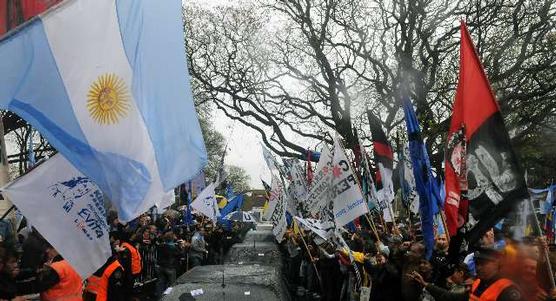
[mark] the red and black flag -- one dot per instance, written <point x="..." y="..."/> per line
<point x="382" y="149"/>
<point x="483" y="179"/>
<point x="384" y="157"/>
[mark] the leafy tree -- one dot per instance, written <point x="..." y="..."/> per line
<point x="238" y="178"/>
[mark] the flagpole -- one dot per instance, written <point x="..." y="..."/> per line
<point x="544" y="251"/>
<point x="445" y="225"/>
<point x="302" y="233"/>
<point x="373" y="227"/>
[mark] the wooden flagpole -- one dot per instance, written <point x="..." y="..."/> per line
<point x="444" y="225"/>
<point x="544" y="251"/>
<point x="302" y="233"/>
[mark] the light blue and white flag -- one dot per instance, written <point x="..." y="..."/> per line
<point x="67" y="209"/>
<point x="206" y="203"/>
<point x="105" y="81"/>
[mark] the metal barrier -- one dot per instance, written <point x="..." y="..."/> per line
<point x="149" y="259"/>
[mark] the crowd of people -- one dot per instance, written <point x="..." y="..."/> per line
<point x="390" y="263"/>
<point x="148" y="254"/>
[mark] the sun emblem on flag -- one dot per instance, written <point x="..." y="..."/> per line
<point x="108" y="99"/>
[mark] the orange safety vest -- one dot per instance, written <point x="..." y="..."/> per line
<point x="492" y="292"/>
<point x="99" y="285"/>
<point x="69" y="287"/>
<point x="136" y="265"/>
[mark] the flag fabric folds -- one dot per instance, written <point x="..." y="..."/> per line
<point x="234" y="204"/>
<point x="188" y="217"/>
<point x="549" y="201"/>
<point x="348" y="202"/>
<point x="367" y="182"/>
<point x="317" y="197"/>
<point x="206" y="203"/>
<point x="67" y="208"/>
<point x="429" y="199"/>
<point x="489" y="173"/>
<point x="315" y="226"/>
<point x="276" y="211"/>
<point x="297" y="189"/>
<point x="113" y="98"/>
<point x="270" y="160"/>
<point x="384" y="157"/>
<point x="410" y="197"/>
<point x="276" y="195"/>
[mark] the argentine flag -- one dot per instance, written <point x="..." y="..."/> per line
<point x="106" y="82"/>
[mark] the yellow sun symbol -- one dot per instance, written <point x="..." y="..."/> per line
<point x="108" y="99"/>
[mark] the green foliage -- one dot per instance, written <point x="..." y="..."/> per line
<point x="215" y="144"/>
<point x="238" y="178"/>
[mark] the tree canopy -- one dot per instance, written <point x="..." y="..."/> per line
<point x="296" y="70"/>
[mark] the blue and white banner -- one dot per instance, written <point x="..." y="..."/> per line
<point x="345" y="193"/>
<point x="67" y="209"/>
<point x="106" y="83"/>
<point x="206" y="203"/>
<point x="316" y="226"/>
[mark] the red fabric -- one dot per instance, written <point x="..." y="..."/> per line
<point x="32" y="8"/>
<point x="26" y="10"/>
<point x="309" y="168"/>
<point x="384" y="150"/>
<point x="474" y="103"/>
<point x="3" y="16"/>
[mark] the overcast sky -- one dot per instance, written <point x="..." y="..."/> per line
<point x="244" y="149"/>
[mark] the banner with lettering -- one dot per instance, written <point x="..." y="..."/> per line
<point x="318" y="195"/>
<point x="276" y="195"/>
<point x="278" y="218"/>
<point x="67" y="209"/>
<point x="348" y="202"/>
<point x="316" y="226"/>
<point x="484" y="181"/>
<point x="297" y="185"/>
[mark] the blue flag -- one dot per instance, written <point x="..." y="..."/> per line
<point x="188" y="218"/>
<point x="429" y="199"/>
<point x="229" y="192"/>
<point x="233" y="205"/>
<point x="549" y="202"/>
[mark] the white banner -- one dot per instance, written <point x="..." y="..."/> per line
<point x="318" y="196"/>
<point x="411" y="194"/>
<point x="270" y="160"/>
<point x="346" y="194"/>
<point x="278" y="219"/>
<point x="167" y="201"/>
<point x="206" y="203"/>
<point x="297" y="189"/>
<point x="372" y="195"/>
<point x="387" y="185"/>
<point x="276" y="195"/>
<point x="315" y="226"/>
<point x="67" y="209"/>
